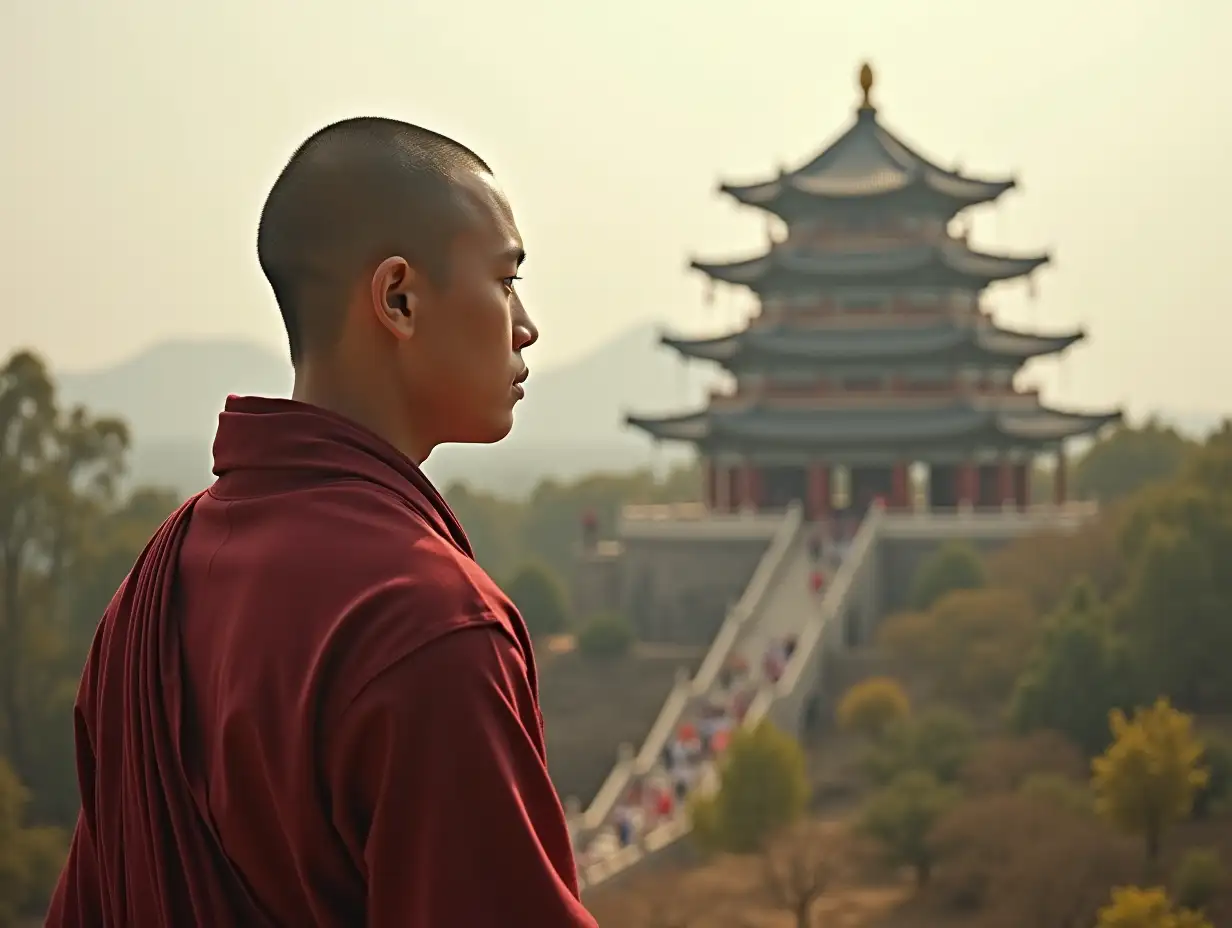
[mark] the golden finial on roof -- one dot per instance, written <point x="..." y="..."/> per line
<point x="866" y="85"/>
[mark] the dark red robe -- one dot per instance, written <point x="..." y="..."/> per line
<point x="308" y="706"/>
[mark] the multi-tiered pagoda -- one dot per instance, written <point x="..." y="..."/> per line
<point x="871" y="369"/>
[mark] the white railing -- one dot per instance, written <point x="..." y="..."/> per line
<point x="678" y="699"/>
<point x="751" y="600"/>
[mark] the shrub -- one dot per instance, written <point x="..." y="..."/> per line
<point x="1020" y="859"/>
<point x="1003" y="765"/>
<point x="1132" y="907"/>
<point x="1197" y="878"/>
<point x="872" y="707"/>
<point x="540" y="598"/>
<point x="606" y="637"/>
<point x="1216" y="795"/>
<point x="901" y="817"/>
<point x="1059" y="791"/>
<point x="956" y="566"/>
<point x="938" y="742"/>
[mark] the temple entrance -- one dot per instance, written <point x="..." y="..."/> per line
<point x="942" y="486"/>
<point x="868" y="483"/>
<point x="782" y="486"/>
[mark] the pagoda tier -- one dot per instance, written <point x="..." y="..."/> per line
<point x="870" y="168"/>
<point x="765" y="348"/>
<point x="947" y="263"/>
<point x="863" y="431"/>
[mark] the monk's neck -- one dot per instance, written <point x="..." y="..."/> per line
<point x="319" y="386"/>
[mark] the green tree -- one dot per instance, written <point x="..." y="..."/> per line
<point x="1197" y="878"/>
<point x="955" y="566"/>
<point x="606" y="637"/>
<point x="67" y="537"/>
<point x="1129" y="459"/>
<point x="901" y="816"/>
<point x="1215" y="796"/>
<point x="938" y="741"/>
<point x="763" y="788"/>
<point x="1176" y="612"/>
<point x="971" y="644"/>
<point x="30" y="858"/>
<point x="1148" y="777"/>
<point x="541" y="600"/>
<point x="58" y="472"/>
<point x="1132" y="907"/>
<point x="871" y="707"/>
<point x="1079" y="672"/>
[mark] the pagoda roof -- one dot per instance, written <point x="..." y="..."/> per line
<point x="871" y="344"/>
<point x="866" y="162"/>
<point x="947" y="261"/>
<point x="889" y="426"/>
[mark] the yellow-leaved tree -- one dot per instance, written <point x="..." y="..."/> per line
<point x="871" y="707"/>
<point x="1148" y="777"/>
<point x="1132" y="907"/>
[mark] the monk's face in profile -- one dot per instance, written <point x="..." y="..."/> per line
<point x="460" y="361"/>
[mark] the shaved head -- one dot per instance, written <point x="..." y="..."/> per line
<point x="355" y="193"/>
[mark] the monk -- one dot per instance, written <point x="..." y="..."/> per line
<point x="307" y="705"/>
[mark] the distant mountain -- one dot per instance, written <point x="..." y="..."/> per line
<point x="570" y="424"/>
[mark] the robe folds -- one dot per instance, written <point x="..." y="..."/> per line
<point x="307" y="705"/>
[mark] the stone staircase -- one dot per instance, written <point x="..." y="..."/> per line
<point x="777" y="603"/>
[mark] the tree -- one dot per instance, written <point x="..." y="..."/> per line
<point x="1078" y="673"/>
<point x="58" y="471"/>
<point x="1197" y="878"/>
<point x="871" y="707"/>
<point x="955" y="566"/>
<point x="937" y="741"/>
<point x="30" y="858"/>
<point x="1045" y="565"/>
<point x="606" y="637"/>
<point x="1176" y="611"/>
<point x="971" y="644"/>
<point x="1132" y="907"/>
<point x="1148" y="777"/>
<point x="1215" y="796"/>
<point x="763" y="788"/>
<point x="799" y="864"/>
<point x="1022" y="860"/>
<point x="901" y="817"/>
<point x="1005" y="764"/>
<point x="541" y="600"/>
<point x="1129" y="459"/>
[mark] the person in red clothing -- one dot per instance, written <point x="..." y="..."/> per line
<point x="307" y="704"/>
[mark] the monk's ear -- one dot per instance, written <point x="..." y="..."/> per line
<point x="395" y="296"/>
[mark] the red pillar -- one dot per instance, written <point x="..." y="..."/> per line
<point x="755" y="487"/>
<point x="1022" y="484"/>
<point x="710" y="485"/>
<point x="746" y="487"/>
<point x="1006" y="480"/>
<point x="900" y="492"/>
<point x="1060" y="486"/>
<point x="967" y="477"/>
<point x="818" y="490"/>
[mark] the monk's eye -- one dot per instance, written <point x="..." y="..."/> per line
<point x="508" y="282"/>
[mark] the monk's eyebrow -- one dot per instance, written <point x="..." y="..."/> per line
<point x="514" y="253"/>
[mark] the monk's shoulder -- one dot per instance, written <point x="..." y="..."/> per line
<point x="417" y="586"/>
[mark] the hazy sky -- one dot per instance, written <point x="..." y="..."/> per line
<point x="139" y="140"/>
